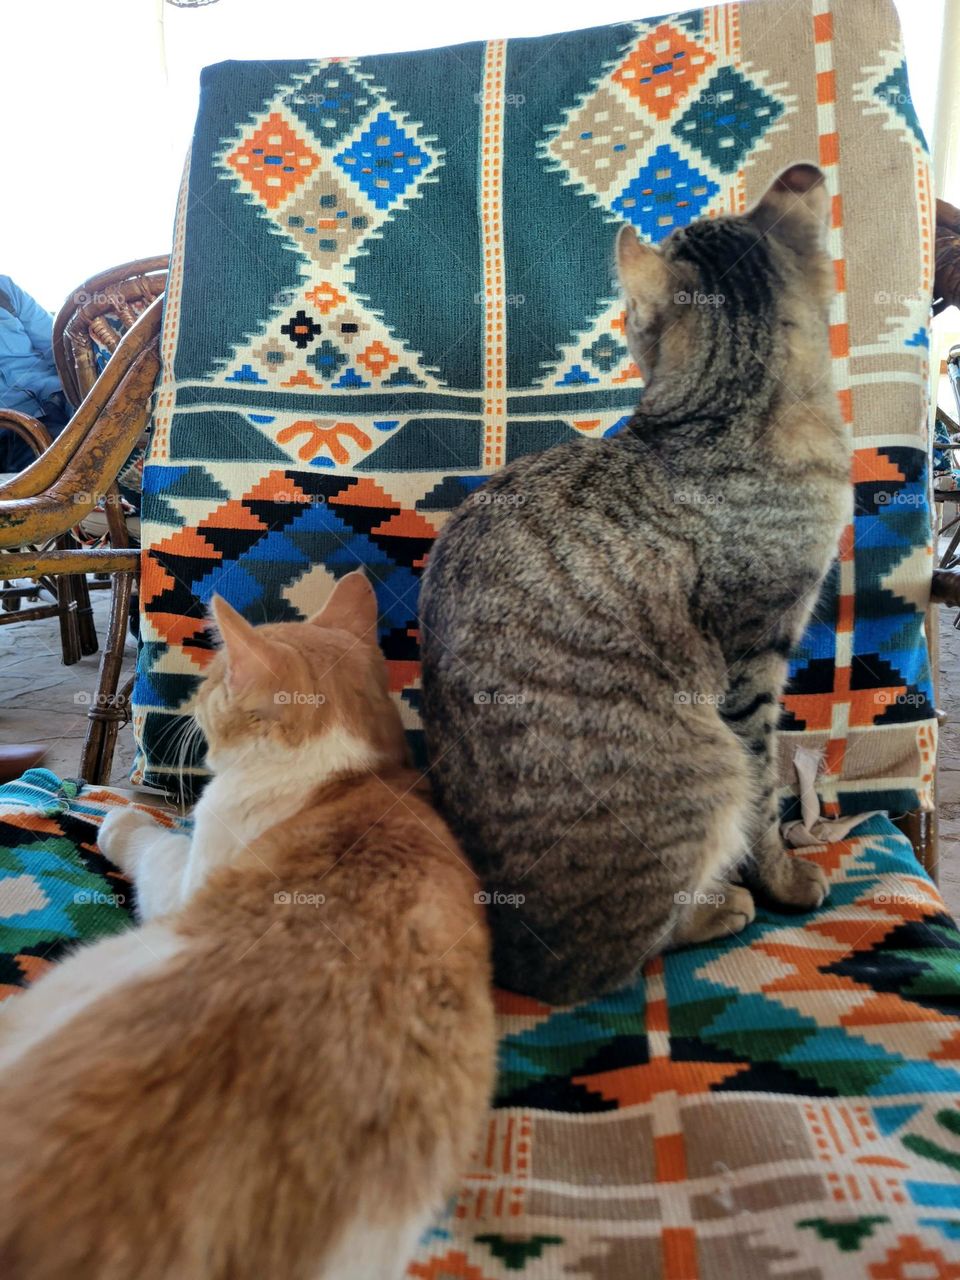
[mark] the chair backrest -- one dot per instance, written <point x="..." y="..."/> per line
<point x="399" y="278"/>
<point x="95" y="317"/>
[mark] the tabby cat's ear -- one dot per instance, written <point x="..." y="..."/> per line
<point x="250" y="657"/>
<point x="795" y="207"/>
<point x="352" y="606"/>
<point x="643" y="274"/>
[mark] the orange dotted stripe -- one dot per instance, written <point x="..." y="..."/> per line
<point x="160" y="442"/>
<point x="927" y="215"/>
<point x="670" y="1157"/>
<point x="505" y="1150"/>
<point x="679" y="1249"/>
<point x="826" y="86"/>
<point x="733" y="51"/>
<point x="828" y="155"/>
<point x="658" y="1018"/>
<point x="927" y="746"/>
<point x="823" y="27"/>
<point x="494" y="276"/>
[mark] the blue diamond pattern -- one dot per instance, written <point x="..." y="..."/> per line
<point x="383" y="161"/>
<point x="726" y="120"/>
<point x="667" y="193"/>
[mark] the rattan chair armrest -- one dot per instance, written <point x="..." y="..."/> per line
<point x="70" y="560"/>
<point x="29" y="429"/>
<point x="90" y="471"/>
<point x="58" y="459"/>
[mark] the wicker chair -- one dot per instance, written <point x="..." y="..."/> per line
<point x="40" y="506"/>
<point x="89" y="324"/>
<point x="96" y="316"/>
<point x="68" y="603"/>
<point x="86" y="332"/>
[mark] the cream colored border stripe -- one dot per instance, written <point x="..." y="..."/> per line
<point x="494" y="282"/>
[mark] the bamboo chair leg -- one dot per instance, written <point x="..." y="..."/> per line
<point x="922" y="830"/>
<point x="85" y="622"/>
<point x="120" y="708"/>
<point x="67" y="614"/>
<point x="109" y="710"/>
<point x="949" y="557"/>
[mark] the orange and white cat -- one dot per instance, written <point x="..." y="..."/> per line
<point x="279" y="1075"/>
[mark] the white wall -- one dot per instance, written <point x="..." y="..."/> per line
<point x="97" y="99"/>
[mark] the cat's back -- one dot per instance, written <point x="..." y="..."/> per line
<point x="576" y="537"/>
<point x="381" y="863"/>
<point x="332" y="994"/>
<point x="555" y="496"/>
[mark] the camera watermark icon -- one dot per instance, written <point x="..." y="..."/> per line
<point x="95" y="898"/>
<point x="886" y="498"/>
<point x="893" y="97"/>
<point x="885" y="898"/>
<point x="723" y="98"/>
<point x="86" y="498"/>
<point x="285" y="898"/>
<point x="698" y="899"/>
<point x="494" y="297"/>
<point x="98" y="298"/>
<point x="493" y="898"/>
<point x="888" y="698"/>
<point x="693" y="698"/>
<point x="482" y="499"/>
<point x="698" y="299"/>
<point x="496" y="698"/>
<point x="83" y="699"/>
<point x="296" y="498"/>
<point x="298" y="698"/>
<point x="297" y="99"/>
<point x="695" y="498"/>
<point x="887" y="298"/>
<point x="508" y="99"/>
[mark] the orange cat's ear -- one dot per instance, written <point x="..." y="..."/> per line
<point x="795" y="207"/>
<point x="643" y="273"/>
<point x="352" y="606"/>
<point x="250" y="658"/>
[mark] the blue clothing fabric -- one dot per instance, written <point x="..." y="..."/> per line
<point x="29" y="381"/>
<point x="28" y="375"/>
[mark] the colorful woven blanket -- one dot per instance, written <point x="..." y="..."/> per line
<point x="785" y="1106"/>
<point x="391" y="275"/>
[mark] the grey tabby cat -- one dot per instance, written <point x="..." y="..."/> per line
<point x="605" y="625"/>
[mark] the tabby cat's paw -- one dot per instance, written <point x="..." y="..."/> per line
<point x="726" y="911"/>
<point x="117" y="831"/>
<point x="797" y="883"/>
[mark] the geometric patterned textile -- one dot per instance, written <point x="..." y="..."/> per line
<point x="394" y="274"/>
<point x="783" y="1104"/>
<point x="56" y="888"/>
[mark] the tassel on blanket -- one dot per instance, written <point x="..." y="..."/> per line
<point x="811" y="827"/>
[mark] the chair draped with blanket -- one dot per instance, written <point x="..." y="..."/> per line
<point x="394" y="278"/>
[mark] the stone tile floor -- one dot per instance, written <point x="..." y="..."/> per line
<point x="39" y="703"/>
<point x="41" y="700"/>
